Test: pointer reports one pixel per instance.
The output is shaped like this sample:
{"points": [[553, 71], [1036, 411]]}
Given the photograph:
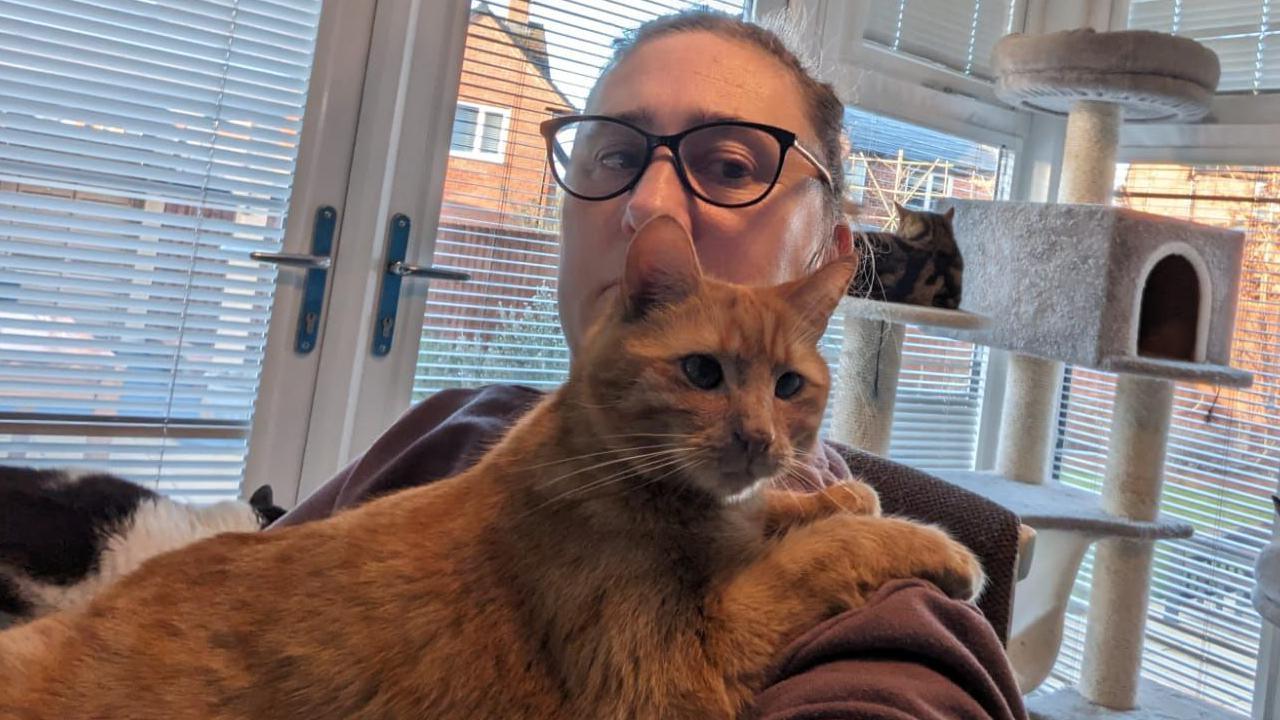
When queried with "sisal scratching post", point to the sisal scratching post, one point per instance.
{"points": [[1026, 424], [867, 388], [866, 384], [1089, 153], [1118, 602]]}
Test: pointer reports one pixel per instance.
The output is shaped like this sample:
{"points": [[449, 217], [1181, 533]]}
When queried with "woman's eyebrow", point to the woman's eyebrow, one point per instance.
{"points": [[710, 116], [645, 118]]}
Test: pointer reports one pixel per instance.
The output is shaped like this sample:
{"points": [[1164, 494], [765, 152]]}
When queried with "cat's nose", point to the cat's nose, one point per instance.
{"points": [[753, 443]]}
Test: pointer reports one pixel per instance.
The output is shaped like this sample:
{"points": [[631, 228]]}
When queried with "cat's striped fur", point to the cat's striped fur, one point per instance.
{"points": [[919, 264]]}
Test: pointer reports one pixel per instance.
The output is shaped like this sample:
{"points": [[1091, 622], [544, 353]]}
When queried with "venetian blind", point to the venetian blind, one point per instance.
{"points": [[941, 383], [953, 33], [145, 149], [1224, 450], [500, 215], [1244, 33]]}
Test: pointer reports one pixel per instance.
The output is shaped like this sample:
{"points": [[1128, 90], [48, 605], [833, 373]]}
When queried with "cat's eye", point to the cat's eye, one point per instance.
{"points": [[789, 383], [703, 371]]}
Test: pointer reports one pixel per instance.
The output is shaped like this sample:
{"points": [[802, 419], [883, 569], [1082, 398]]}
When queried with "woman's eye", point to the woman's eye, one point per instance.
{"points": [[703, 371], [731, 170], [789, 383], [725, 165]]}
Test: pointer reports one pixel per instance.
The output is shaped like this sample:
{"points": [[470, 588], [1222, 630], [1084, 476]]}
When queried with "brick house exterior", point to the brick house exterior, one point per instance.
{"points": [[506, 73]]}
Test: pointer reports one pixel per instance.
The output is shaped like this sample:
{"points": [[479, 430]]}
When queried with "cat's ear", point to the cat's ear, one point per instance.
{"points": [[815, 297], [662, 267], [949, 214], [1275, 499], [262, 497], [900, 209]]}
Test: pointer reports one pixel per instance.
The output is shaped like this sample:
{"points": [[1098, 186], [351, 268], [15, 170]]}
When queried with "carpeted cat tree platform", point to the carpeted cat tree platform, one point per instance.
{"points": [[1149, 298]]}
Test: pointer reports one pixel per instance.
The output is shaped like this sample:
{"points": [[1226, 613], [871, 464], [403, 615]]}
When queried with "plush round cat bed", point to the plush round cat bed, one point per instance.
{"points": [[1152, 76]]}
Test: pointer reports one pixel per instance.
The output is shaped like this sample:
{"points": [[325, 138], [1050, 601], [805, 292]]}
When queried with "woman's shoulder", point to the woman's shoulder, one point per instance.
{"points": [[440, 436]]}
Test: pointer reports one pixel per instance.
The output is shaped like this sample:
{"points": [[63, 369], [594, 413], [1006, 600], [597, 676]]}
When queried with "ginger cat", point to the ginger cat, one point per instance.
{"points": [[615, 556]]}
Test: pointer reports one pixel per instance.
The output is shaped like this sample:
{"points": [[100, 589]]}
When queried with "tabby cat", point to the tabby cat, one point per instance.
{"points": [[615, 556], [64, 536], [919, 264]]}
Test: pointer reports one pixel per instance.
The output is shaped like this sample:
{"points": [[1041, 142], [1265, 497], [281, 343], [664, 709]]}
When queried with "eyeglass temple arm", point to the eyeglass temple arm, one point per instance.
{"points": [[826, 174], [560, 153]]}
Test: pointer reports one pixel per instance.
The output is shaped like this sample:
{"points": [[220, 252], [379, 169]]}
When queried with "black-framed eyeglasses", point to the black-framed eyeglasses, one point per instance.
{"points": [[727, 163]]}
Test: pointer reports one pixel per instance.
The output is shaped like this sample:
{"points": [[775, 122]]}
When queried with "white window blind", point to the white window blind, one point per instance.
{"points": [[500, 221], [145, 149], [957, 34], [941, 383], [1244, 33], [1224, 452]]}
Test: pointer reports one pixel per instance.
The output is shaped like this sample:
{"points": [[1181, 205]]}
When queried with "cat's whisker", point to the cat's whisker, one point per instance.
{"points": [[683, 468], [611, 451], [593, 406], [650, 466], [615, 461], [684, 436]]}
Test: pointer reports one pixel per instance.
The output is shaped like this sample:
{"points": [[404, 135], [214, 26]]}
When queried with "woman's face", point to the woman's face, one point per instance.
{"points": [[665, 86]]}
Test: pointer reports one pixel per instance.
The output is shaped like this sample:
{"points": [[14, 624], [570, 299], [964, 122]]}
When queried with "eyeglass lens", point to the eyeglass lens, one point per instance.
{"points": [[723, 164]]}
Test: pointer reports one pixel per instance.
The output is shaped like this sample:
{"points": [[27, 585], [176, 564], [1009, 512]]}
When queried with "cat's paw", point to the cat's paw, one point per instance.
{"points": [[785, 510], [854, 496], [949, 565]]}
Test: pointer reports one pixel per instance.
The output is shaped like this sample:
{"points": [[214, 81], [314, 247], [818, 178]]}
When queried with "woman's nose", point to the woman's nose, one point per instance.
{"points": [[659, 192]]}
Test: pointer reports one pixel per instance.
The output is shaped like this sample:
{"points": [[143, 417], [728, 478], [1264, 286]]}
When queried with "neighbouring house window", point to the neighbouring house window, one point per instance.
{"points": [[479, 132]]}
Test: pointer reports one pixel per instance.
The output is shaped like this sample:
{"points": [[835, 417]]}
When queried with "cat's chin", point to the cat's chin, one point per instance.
{"points": [[733, 487]]}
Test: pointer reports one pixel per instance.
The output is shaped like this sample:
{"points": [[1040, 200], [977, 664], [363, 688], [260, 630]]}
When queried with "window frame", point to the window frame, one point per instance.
{"points": [[483, 112]]}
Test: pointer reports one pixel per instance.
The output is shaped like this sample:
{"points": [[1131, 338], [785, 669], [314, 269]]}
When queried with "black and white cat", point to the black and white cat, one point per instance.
{"points": [[64, 537], [920, 264]]}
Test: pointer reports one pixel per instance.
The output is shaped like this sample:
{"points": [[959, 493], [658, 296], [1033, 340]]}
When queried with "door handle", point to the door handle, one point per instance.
{"points": [[404, 269], [298, 260], [384, 322], [317, 265]]}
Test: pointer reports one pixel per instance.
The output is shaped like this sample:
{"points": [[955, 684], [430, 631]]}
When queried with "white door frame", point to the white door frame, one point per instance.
{"points": [[398, 166], [278, 436]]}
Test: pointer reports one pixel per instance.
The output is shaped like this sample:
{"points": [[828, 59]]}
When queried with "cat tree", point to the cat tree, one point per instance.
{"points": [[1149, 298]]}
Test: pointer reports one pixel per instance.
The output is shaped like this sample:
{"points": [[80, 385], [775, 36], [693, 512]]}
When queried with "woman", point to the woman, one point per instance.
{"points": [[713, 122]]}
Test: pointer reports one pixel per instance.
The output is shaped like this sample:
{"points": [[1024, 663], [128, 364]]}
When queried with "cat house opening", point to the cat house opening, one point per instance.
{"points": [[1170, 315]]}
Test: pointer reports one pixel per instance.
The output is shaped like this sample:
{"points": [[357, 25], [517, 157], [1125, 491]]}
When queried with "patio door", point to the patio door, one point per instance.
{"points": [[171, 177]]}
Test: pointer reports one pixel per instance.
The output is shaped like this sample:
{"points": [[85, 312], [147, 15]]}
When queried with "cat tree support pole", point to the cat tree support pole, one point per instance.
{"points": [[1135, 459], [1122, 568], [867, 384]]}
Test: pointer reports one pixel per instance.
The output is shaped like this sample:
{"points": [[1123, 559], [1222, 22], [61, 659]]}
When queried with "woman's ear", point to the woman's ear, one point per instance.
{"points": [[842, 240]]}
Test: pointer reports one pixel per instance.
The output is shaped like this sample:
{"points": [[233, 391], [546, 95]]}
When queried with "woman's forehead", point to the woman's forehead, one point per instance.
{"points": [[676, 81]]}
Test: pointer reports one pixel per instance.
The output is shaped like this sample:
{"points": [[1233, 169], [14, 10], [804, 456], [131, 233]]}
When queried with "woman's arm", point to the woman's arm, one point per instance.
{"points": [[439, 437]]}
